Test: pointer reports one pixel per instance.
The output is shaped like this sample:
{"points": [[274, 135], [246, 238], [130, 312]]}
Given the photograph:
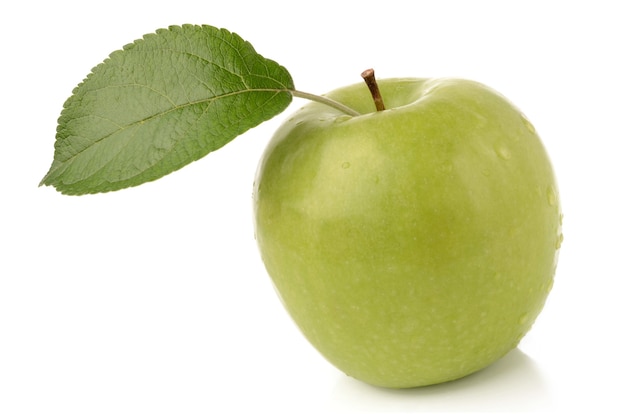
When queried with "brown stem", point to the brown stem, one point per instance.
{"points": [[370, 80]]}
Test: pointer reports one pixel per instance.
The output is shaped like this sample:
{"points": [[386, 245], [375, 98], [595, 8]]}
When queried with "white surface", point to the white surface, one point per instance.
{"points": [[154, 300]]}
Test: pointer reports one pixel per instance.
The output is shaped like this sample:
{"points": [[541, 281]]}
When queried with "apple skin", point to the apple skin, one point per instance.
{"points": [[414, 245]]}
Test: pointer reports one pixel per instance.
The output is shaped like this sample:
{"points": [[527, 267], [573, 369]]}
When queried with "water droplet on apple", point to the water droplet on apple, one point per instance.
{"points": [[342, 118], [503, 152], [559, 241], [345, 165], [528, 124], [446, 167], [486, 172], [523, 319], [551, 193]]}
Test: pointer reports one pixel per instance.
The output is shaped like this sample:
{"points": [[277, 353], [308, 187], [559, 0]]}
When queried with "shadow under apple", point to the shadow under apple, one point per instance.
{"points": [[512, 384]]}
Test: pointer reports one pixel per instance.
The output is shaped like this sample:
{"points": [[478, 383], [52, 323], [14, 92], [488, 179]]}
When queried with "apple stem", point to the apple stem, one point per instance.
{"points": [[326, 101], [370, 81]]}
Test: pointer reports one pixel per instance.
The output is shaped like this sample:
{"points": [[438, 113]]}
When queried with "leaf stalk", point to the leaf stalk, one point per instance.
{"points": [[326, 101]]}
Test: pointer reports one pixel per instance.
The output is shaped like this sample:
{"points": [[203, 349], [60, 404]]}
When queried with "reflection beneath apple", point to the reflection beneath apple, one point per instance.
{"points": [[512, 384]]}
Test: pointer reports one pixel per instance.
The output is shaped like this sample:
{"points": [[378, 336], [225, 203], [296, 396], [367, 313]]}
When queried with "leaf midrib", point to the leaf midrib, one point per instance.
{"points": [[156, 116]]}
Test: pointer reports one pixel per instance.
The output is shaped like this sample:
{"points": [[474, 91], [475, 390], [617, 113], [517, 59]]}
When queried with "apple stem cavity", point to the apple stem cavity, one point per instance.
{"points": [[326, 101], [370, 81]]}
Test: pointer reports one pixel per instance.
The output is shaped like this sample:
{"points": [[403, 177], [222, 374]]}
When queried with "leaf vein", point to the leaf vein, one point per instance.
{"points": [[175, 108]]}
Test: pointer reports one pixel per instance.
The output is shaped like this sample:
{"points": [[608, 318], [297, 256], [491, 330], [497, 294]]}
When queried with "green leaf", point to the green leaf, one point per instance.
{"points": [[160, 103]]}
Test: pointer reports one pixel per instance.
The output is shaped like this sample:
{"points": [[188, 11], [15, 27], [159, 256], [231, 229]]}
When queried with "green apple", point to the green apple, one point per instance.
{"points": [[411, 245]]}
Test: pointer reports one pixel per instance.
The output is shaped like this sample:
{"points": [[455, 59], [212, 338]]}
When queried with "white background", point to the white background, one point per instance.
{"points": [[154, 300]]}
